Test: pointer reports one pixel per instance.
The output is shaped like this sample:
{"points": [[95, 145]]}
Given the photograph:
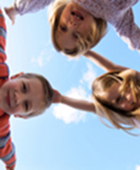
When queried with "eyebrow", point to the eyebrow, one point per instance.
{"points": [[60, 31], [29, 105], [28, 86], [29, 102]]}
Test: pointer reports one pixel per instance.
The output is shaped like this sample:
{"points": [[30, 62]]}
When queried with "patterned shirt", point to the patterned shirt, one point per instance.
{"points": [[116, 12], [25, 6], [7, 149]]}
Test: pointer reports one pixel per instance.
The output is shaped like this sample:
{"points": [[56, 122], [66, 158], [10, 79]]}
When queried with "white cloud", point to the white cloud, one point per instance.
{"points": [[38, 60], [89, 76], [78, 93], [44, 57], [137, 167], [68, 114]]}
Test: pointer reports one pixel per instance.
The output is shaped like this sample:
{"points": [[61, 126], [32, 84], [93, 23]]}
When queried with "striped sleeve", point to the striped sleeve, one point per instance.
{"points": [[2, 37], [7, 149], [7, 154]]}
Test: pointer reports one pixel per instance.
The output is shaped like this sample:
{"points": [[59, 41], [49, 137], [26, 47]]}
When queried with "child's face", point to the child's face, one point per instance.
{"points": [[73, 21], [21, 96], [124, 102]]}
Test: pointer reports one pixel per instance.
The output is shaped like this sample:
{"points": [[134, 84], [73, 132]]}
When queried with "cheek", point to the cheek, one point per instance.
{"points": [[126, 106], [123, 106], [15, 110], [86, 27], [10, 85]]}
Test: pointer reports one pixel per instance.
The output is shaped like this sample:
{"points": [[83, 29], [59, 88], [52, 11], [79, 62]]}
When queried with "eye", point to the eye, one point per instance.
{"points": [[24, 88], [75, 36], [26, 106], [118, 99], [63, 28]]}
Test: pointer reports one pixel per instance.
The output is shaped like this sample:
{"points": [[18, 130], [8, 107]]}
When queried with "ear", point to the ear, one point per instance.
{"points": [[20, 116], [16, 75]]}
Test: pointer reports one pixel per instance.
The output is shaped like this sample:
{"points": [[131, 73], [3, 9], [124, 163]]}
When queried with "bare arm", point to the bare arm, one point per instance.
{"points": [[103, 62], [75, 103], [10, 168]]}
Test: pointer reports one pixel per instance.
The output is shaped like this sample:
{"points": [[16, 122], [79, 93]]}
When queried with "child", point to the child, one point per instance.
{"points": [[24, 95], [116, 95], [83, 22]]}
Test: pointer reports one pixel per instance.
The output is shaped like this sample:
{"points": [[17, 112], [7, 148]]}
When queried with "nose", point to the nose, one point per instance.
{"points": [[129, 98], [18, 97], [73, 23]]}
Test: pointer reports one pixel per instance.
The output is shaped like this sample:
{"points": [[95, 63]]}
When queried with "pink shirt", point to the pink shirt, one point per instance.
{"points": [[25, 6], [116, 12]]}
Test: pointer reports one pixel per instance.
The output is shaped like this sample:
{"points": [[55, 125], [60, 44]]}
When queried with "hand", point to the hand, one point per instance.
{"points": [[57, 96], [10, 168], [138, 51]]}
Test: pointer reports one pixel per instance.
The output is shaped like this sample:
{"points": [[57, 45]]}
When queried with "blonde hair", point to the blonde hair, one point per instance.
{"points": [[47, 89], [120, 119], [98, 30]]}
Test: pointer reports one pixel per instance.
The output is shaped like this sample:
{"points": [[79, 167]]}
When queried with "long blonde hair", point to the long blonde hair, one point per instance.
{"points": [[98, 30], [120, 119]]}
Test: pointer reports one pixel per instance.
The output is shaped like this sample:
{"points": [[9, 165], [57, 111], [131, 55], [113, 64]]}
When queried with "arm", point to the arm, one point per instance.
{"points": [[10, 168], [102, 62], [7, 149], [29, 6], [75, 103], [2, 38], [22, 7], [128, 30]]}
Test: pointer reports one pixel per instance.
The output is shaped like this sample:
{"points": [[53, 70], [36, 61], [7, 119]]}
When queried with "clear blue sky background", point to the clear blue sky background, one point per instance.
{"points": [[63, 138]]}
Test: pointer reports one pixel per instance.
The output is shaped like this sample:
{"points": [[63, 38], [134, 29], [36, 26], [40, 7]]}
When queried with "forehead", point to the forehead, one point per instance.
{"points": [[112, 93], [35, 86]]}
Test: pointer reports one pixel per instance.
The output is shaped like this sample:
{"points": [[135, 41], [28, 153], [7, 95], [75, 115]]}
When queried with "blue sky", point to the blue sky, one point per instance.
{"points": [[63, 138]]}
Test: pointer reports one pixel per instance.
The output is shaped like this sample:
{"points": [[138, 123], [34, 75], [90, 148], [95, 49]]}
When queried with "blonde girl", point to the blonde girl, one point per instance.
{"points": [[78, 25], [116, 95]]}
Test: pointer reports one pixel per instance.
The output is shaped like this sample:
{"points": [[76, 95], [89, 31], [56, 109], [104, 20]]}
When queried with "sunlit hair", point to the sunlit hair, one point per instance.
{"points": [[120, 119], [98, 30], [47, 91]]}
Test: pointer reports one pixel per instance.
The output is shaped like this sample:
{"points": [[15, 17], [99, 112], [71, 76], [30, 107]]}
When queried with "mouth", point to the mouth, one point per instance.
{"points": [[77, 15], [8, 99]]}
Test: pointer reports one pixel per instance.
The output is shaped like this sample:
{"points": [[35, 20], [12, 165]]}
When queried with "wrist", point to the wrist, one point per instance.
{"points": [[62, 99]]}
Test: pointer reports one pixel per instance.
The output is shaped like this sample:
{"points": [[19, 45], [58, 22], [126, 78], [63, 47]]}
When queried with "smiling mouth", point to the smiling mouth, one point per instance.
{"points": [[8, 98], [77, 15]]}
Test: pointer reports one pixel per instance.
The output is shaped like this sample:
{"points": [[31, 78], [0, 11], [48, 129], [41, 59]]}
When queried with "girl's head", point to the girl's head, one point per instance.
{"points": [[116, 96], [73, 29]]}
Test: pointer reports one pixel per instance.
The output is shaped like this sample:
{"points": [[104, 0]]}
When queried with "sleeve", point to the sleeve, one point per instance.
{"points": [[29, 6], [7, 149], [2, 38], [128, 30]]}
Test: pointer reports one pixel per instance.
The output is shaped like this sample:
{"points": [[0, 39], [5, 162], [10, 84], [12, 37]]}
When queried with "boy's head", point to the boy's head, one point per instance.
{"points": [[26, 96], [73, 29]]}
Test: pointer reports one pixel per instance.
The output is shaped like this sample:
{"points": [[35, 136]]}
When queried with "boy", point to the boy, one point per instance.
{"points": [[24, 95]]}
